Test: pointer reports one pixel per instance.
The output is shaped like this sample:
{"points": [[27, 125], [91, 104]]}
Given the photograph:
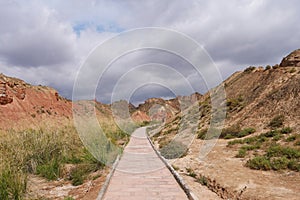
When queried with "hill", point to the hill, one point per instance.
{"points": [[250, 160]]}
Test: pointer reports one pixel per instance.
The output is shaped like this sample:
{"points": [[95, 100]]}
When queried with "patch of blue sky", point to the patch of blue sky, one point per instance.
{"points": [[110, 27]]}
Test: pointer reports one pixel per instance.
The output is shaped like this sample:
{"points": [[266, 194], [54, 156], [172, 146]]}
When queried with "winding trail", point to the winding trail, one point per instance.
{"points": [[141, 174]]}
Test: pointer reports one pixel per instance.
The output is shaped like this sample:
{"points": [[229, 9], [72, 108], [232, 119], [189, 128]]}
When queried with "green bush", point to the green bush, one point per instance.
{"points": [[286, 130], [268, 67], [271, 133], [242, 153], [232, 130], [251, 147], [259, 162], [279, 151], [294, 165], [174, 150], [277, 121], [279, 163], [245, 132], [291, 138], [277, 137]]}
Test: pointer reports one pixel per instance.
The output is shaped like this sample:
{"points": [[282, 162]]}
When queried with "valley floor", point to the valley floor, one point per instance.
{"points": [[227, 176]]}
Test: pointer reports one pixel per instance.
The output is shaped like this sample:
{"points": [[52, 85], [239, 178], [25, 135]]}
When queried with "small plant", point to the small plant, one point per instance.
{"points": [[245, 132], [277, 121], [259, 162], [271, 133], [268, 67], [202, 180], [249, 69], [242, 153], [291, 138], [49, 170], [69, 198], [286, 130], [191, 173], [279, 163]]}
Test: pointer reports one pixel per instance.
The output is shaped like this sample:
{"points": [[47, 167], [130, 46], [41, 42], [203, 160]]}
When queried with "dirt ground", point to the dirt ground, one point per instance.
{"points": [[228, 178], [39, 188]]}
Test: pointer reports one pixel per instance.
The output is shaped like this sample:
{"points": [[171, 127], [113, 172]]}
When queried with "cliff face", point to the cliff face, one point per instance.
{"points": [[292, 60], [23, 105]]}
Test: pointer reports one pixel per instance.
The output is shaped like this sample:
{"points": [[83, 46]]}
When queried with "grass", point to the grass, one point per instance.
{"points": [[45, 152], [191, 173], [276, 122], [275, 151]]}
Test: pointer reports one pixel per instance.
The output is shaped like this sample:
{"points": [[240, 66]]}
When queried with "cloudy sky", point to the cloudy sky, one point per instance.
{"points": [[47, 42]]}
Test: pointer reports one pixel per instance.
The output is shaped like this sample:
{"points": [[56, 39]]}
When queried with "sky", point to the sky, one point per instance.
{"points": [[47, 42]]}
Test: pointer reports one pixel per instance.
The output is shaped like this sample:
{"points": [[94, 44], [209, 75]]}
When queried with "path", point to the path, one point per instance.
{"points": [[141, 174]]}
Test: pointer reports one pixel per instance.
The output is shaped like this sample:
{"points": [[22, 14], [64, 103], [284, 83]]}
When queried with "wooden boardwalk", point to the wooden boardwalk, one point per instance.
{"points": [[141, 174]]}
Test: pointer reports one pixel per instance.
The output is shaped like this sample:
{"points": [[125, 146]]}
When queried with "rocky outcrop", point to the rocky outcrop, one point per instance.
{"points": [[10, 87], [292, 60]]}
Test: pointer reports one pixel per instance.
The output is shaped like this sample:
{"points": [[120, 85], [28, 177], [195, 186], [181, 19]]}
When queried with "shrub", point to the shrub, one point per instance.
{"points": [[268, 67], [291, 138], [233, 142], [259, 162], [294, 165], [271, 133], [202, 180], [191, 173], [277, 137], [249, 69], [277, 121], [279, 151], [173, 150], [286, 130], [297, 143], [245, 132], [251, 147], [279, 163], [232, 130], [242, 153]]}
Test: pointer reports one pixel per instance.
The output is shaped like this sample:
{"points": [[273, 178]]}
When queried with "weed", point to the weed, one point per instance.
{"points": [[191, 173], [291, 138], [202, 180], [286, 130], [242, 153], [277, 121]]}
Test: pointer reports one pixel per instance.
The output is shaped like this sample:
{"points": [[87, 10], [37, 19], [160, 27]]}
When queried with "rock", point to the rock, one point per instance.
{"points": [[292, 60]]}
